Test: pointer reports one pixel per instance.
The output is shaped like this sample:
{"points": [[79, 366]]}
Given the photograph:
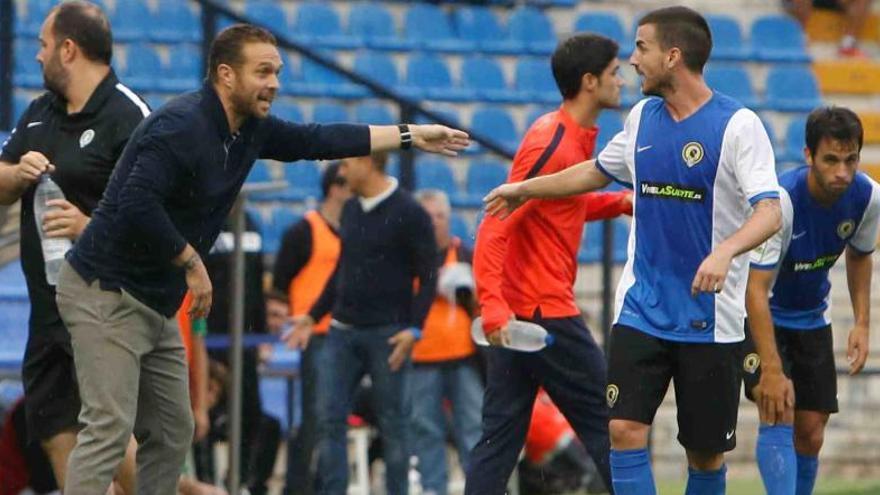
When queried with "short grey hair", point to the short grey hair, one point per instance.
{"points": [[437, 195]]}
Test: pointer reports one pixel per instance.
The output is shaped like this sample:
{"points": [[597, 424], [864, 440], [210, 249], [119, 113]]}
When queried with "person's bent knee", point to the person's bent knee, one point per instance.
{"points": [[627, 434], [809, 441], [705, 461]]}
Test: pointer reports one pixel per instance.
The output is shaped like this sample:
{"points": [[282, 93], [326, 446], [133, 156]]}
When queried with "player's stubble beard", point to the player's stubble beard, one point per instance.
{"points": [[659, 86], [55, 77]]}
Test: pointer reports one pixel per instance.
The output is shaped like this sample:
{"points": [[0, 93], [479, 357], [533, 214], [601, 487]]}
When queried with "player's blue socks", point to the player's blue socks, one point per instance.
{"points": [[631, 472], [807, 466], [707, 482], [776, 459]]}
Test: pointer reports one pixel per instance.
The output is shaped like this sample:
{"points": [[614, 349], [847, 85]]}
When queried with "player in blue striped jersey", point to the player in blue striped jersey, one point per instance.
{"points": [[828, 208], [706, 193]]}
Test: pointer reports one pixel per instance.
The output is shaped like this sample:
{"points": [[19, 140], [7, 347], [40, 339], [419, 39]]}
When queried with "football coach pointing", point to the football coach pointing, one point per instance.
{"points": [[163, 208]]}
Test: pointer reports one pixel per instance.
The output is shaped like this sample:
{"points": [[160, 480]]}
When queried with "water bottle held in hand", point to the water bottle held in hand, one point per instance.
{"points": [[53, 248], [524, 336]]}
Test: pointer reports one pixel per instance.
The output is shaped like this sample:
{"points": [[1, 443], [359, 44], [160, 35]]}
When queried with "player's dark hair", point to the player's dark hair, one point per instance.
{"points": [[581, 54], [685, 29], [838, 123], [85, 24], [331, 177], [227, 46]]}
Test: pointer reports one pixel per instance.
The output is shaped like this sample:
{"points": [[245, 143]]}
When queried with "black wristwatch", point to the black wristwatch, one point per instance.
{"points": [[405, 136]]}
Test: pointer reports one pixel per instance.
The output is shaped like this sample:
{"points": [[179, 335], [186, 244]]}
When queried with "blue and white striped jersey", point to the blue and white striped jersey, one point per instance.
{"points": [[810, 241], [695, 181]]}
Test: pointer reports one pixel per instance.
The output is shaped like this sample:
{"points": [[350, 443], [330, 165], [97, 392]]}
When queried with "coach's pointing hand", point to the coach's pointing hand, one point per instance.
{"points": [[439, 139]]}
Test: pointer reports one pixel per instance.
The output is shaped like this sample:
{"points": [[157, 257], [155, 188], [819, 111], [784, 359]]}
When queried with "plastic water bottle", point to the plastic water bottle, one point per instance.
{"points": [[524, 336], [55, 248]]}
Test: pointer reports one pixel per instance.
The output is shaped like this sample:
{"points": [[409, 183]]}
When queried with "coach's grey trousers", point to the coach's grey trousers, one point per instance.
{"points": [[132, 374]]}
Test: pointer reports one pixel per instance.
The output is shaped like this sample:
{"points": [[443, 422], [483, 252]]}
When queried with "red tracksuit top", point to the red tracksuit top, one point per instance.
{"points": [[528, 262]]}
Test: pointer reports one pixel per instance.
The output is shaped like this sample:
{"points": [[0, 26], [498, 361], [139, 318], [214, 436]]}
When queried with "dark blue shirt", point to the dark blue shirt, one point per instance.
{"points": [[175, 183], [383, 251]]}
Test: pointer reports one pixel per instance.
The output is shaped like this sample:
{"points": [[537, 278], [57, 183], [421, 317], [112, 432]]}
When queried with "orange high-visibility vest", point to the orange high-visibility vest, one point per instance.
{"points": [[308, 284], [447, 332]]}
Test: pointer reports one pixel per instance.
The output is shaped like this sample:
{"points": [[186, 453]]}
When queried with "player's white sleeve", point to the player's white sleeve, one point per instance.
{"points": [[754, 161], [865, 237], [615, 160], [769, 254]]}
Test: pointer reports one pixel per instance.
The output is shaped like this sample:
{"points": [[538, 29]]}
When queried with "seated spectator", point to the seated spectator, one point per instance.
{"points": [[855, 12]]}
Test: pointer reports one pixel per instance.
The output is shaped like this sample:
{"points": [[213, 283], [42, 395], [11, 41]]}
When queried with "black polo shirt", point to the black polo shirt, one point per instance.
{"points": [[84, 148], [175, 184]]}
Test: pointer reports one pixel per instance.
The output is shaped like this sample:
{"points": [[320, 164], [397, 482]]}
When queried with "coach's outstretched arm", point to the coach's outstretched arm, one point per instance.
{"points": [[580, 178]]}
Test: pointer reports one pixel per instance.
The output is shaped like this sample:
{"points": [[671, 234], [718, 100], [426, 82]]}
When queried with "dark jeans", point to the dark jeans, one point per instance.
{"points": [[348, 355], [573, 372], [301, 444]]}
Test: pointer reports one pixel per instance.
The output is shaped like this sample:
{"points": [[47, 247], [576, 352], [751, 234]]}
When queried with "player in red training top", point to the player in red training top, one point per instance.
{"points": [[526, 265]]}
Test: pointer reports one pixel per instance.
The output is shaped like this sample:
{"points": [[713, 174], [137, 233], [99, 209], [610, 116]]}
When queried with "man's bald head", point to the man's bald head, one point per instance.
{"points": [[85, 24]]}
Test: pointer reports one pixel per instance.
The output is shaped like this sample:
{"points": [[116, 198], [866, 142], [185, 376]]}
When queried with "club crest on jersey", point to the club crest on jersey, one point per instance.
{"points": [[845, 229], [87, 136], [692, 153], [751, 363], [611, 394]]}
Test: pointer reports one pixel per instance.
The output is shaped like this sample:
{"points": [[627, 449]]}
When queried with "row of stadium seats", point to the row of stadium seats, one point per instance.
{"points": [[428, 76], [429, 27]]}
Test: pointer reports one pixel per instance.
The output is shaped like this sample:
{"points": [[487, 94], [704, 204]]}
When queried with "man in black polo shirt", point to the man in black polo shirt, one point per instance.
{"points": [[76, 131], [164, 206], [387, 243]]}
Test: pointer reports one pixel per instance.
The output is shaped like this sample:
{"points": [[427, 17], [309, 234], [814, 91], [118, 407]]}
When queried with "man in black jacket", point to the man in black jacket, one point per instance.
{"points": [[387, 243], [165, 204]]}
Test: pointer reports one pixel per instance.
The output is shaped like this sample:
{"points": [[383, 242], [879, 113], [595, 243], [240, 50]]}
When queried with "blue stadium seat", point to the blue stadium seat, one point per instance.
{"points": [[795, 140], [496, 124], [427, 76], [607, 24], [778, 38], [143, 69], [15, 308], [174, 21], [303, 181], [530, 26], [553, 3], [27, 72], [459, 227], [484, 76], [771, 135], [374, 25], [28, 24], [288, 111], [318, 24], [376, 66], [259, 173], [535, 82], [479, 25], [273, 396], [591, 244], [727, 38], [732, 80], [130, 21], [428, 27], [432, 173], [482, 177], [792, 89], [610, 123], [320, 81], [375, 113], [327, 112], [183, 70], [448, 112], [282, 218], [268, 14], [20, 102]]}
